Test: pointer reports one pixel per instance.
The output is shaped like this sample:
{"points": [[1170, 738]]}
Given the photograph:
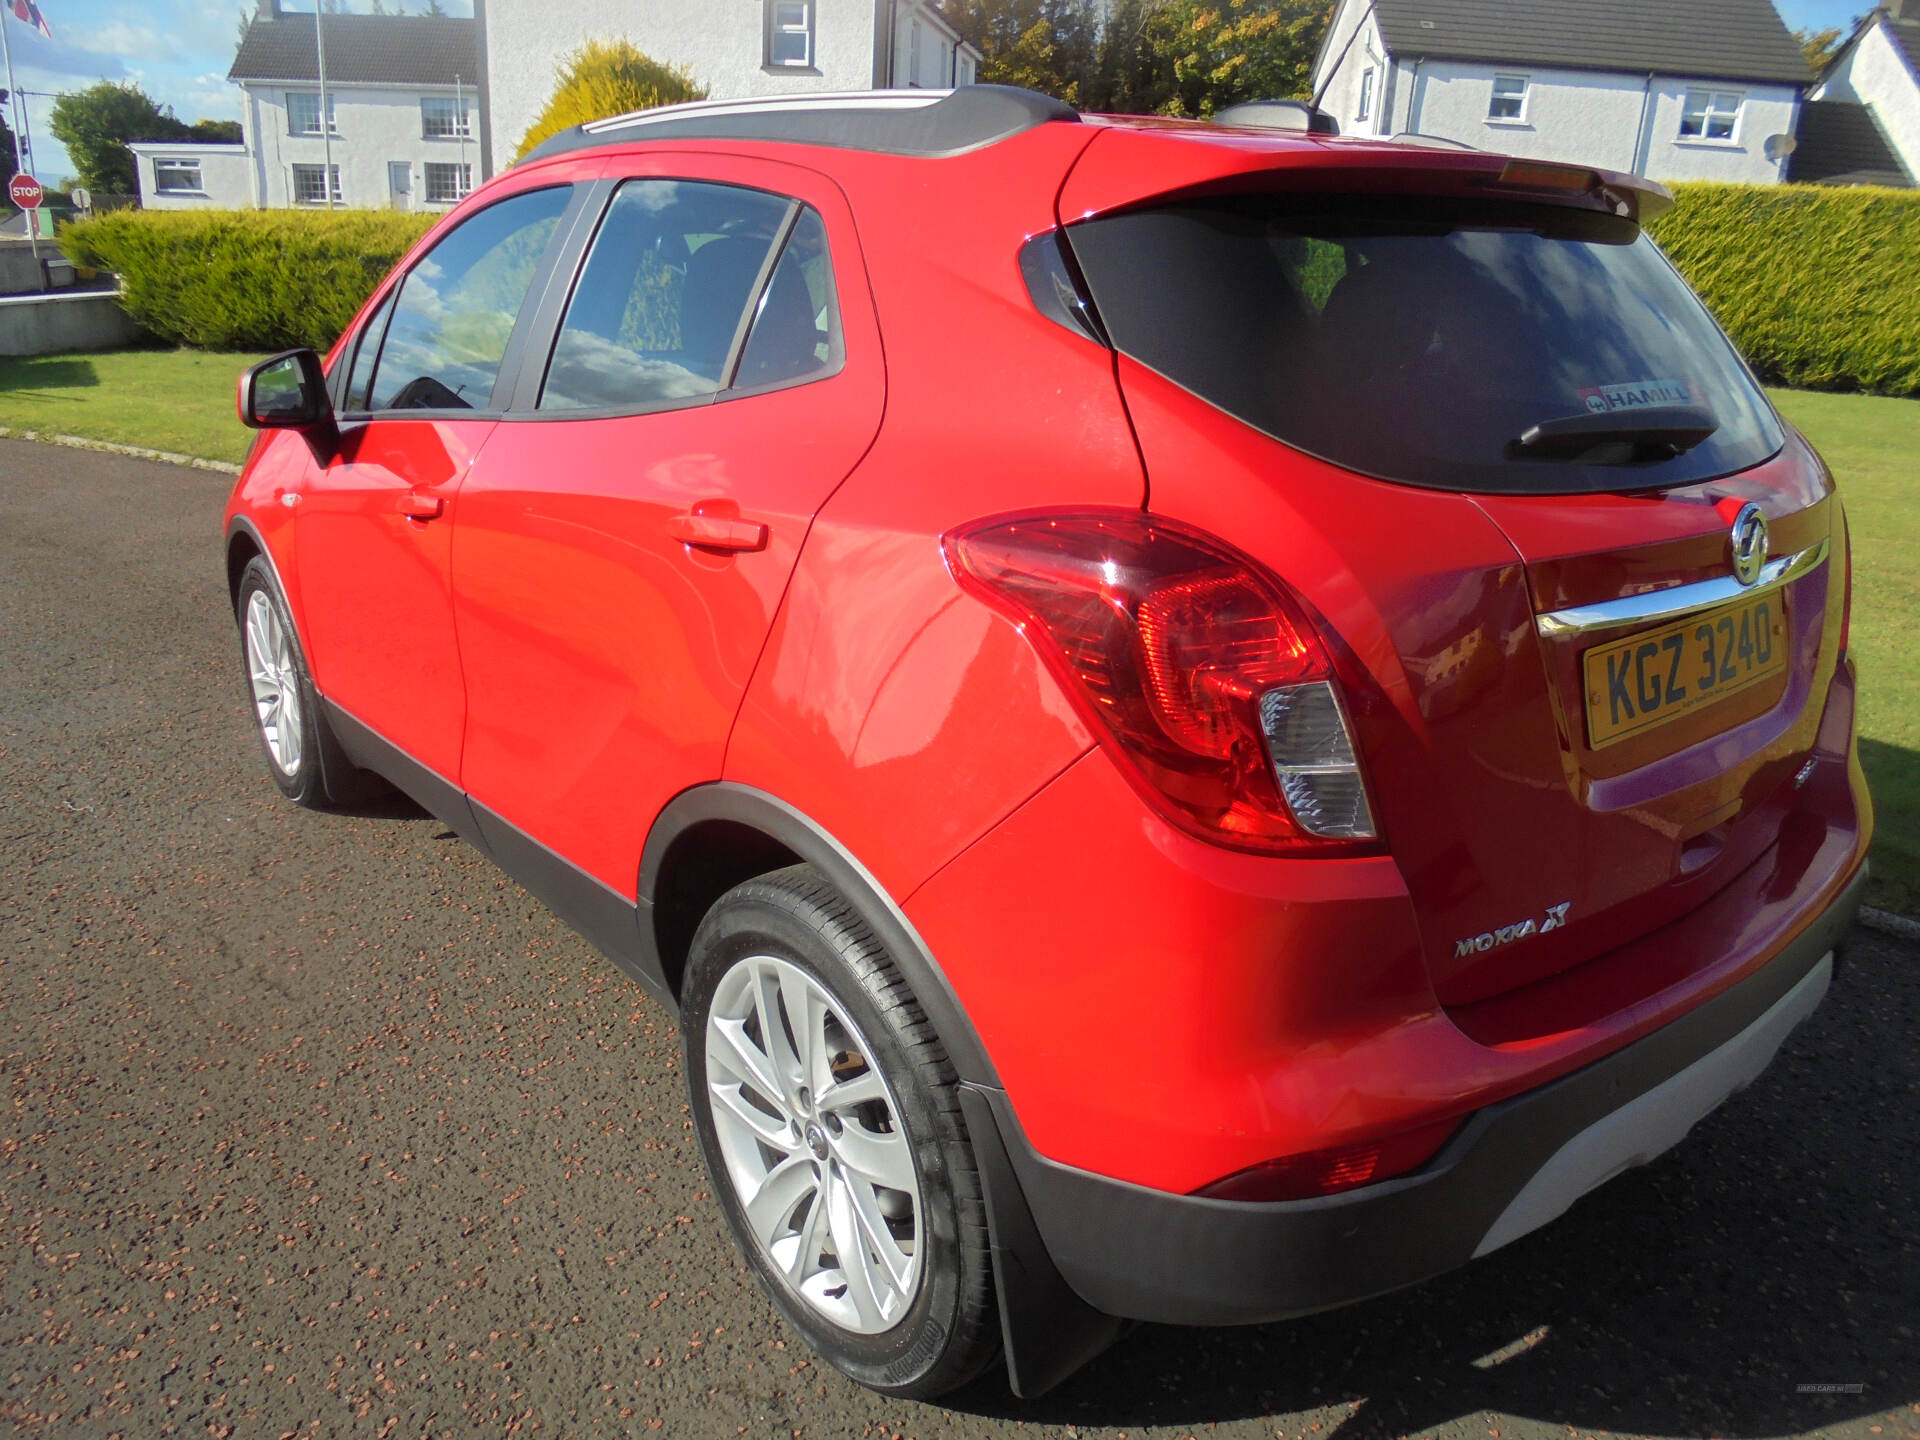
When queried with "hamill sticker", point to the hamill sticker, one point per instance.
{"points": [[1556, 917], [1635, 395]]}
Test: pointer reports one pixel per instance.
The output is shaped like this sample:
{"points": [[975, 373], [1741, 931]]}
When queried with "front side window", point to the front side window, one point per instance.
{"points": [[1365, 108], [448, 184], [1418, 339], [653, 321], [457, 307], [303, 113], [444, 117], [1509, 98], [176, 177], [310, 184], [790, 33], [1710, 115]]}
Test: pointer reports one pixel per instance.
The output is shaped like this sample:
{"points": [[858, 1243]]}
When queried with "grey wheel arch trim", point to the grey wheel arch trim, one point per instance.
{"points": [[727, 802]]}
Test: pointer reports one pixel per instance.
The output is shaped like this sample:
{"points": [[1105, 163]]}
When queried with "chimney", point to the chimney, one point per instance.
{"points": [[1903, 9], [267, 10]]}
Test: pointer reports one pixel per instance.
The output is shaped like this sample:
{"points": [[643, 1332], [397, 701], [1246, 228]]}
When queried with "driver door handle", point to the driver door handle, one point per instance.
{"points": [[418, 505]]}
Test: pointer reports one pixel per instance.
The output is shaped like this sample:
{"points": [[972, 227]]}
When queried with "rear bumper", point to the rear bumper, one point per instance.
{"points": [[1137, 1253]]}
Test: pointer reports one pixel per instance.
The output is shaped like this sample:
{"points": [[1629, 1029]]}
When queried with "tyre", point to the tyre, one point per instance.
{"points": [[830, 1120], [303, 757]]}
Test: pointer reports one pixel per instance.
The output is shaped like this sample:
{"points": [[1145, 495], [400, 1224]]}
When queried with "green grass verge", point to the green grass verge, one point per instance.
{"points": [[182, 400], [178, 400], [1873, 445]]}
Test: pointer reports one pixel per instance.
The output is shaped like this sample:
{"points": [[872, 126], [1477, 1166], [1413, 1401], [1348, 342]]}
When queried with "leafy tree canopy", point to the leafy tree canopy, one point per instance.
{"points": [[96, 123], [605, 78], [1820, 46], [1159, 57], [9, 152]]}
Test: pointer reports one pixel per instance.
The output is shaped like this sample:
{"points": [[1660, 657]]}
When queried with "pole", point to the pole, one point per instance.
{"points": [[19, 103], [326, 119], [460, 119]]}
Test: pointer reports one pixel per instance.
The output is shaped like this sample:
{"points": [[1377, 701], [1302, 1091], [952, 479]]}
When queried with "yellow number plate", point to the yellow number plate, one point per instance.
{"points": [[1633, 685]]}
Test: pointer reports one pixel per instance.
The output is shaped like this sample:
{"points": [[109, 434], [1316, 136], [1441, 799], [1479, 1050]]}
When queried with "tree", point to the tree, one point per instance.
{"points": [[1819, 46], [96, 123], [605, 78], [9, 152], [1166, 57], [216, 132]]}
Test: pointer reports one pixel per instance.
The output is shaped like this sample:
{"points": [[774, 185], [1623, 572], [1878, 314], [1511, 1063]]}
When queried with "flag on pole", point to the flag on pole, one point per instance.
{"points": [[29, 14]]}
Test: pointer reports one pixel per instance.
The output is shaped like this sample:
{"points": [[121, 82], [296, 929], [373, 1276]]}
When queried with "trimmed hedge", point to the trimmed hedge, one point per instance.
{"points": [[245, 279], [1818, 285]]}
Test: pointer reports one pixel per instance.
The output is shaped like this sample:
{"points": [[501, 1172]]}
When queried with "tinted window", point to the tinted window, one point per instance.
{"points": [[1417, 340], [796, 330], [458, 305], [662, 294], [367, 351]]}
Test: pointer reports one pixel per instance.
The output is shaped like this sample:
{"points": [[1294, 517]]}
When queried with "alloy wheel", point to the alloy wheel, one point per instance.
{"points": [[813, 1144], [276, 683]]}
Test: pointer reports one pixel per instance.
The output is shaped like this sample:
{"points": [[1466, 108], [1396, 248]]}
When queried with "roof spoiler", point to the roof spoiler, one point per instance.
{"points": [[930, 124], [1295, 115]]}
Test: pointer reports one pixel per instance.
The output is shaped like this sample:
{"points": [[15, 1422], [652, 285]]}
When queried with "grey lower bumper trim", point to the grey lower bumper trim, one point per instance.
{"points": [[1659, 1119]]}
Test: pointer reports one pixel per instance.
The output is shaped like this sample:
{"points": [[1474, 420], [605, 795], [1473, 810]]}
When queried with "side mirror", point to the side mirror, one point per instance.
{"points": [[288, 392]]}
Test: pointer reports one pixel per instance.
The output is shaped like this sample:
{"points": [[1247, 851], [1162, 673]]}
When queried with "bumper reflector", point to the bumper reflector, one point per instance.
{"points": [[1327, 1172]]}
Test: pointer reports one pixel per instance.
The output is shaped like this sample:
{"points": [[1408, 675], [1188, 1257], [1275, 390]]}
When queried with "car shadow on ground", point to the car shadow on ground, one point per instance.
{"points": [[1759, 1279]]}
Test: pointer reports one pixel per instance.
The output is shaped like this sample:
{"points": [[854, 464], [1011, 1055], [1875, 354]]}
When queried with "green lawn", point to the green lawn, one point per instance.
{"points": [[178, 400], [1873, 445], [182, 400]]}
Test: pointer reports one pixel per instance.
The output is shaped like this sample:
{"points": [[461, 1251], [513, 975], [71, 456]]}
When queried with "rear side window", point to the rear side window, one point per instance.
{"points": [[1417, 340], [672, 273], [457, 307]]}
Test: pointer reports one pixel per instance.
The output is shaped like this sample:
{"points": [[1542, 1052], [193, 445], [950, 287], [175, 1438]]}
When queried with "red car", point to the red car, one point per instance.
{"points": [[1200, 721]]}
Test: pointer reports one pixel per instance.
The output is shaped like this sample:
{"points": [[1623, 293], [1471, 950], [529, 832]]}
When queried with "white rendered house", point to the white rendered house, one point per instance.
{"points": [[735, 48], [1877, 70], [1671, 89], [402, 99]]}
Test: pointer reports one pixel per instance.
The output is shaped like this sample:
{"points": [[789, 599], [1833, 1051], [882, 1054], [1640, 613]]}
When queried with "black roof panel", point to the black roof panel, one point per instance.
{"points": [[890, 122], [361, 49]]}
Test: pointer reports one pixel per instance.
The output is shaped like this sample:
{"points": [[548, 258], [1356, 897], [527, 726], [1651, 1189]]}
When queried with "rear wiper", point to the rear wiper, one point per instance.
{"points": [[1652, 432]]}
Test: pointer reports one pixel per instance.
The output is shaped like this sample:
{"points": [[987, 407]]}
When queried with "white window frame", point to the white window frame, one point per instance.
{"points": [[1509, 78], [1364, 111], [782, 22], [462, 176], [1706, 111], [457, 115], [333, 119], [328, 173], [177, 163]]}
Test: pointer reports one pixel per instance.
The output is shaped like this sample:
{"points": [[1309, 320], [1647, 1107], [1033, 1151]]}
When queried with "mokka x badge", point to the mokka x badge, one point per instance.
{"points": [[1749, 543], [1507, 934]]}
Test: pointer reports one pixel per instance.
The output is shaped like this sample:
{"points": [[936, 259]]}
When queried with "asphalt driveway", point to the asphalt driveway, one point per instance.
{"points": [[319, 1125]]}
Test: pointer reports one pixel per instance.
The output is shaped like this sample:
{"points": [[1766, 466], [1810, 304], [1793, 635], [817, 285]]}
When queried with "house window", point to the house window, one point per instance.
{"points": [[790, 33], [303, 113], [1366, 94], [442, 117], [310, 184], [176, 177], [448, 184], [1710, 115], [1509, 98]]}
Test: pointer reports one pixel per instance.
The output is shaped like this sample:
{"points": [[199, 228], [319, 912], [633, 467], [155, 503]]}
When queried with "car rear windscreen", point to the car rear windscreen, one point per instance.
{"points": [[1420, 339]]}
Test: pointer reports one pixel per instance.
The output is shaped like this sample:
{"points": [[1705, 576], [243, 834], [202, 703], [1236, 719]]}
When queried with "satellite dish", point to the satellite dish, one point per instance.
{"points": [[1778, 147]]}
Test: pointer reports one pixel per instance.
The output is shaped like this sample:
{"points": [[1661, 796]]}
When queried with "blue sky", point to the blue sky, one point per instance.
{"points": [[179, 50]]}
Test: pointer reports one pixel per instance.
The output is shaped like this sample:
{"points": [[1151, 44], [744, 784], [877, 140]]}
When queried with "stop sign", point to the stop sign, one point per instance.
{"points": [[25, 191]]}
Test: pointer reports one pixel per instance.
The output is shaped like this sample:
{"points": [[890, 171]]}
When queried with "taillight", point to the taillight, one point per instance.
{"points": [[1198, 670], [1846, 601], [1328, 1172]]}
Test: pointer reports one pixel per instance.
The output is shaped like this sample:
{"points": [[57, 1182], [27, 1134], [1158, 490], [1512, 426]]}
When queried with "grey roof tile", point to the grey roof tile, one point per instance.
{"points": [[1721, 39], [1841, 143], [361, 49]]}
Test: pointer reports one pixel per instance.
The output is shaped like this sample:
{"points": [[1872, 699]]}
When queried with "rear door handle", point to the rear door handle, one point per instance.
{"points": [[717, 532], [418, 505]]}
